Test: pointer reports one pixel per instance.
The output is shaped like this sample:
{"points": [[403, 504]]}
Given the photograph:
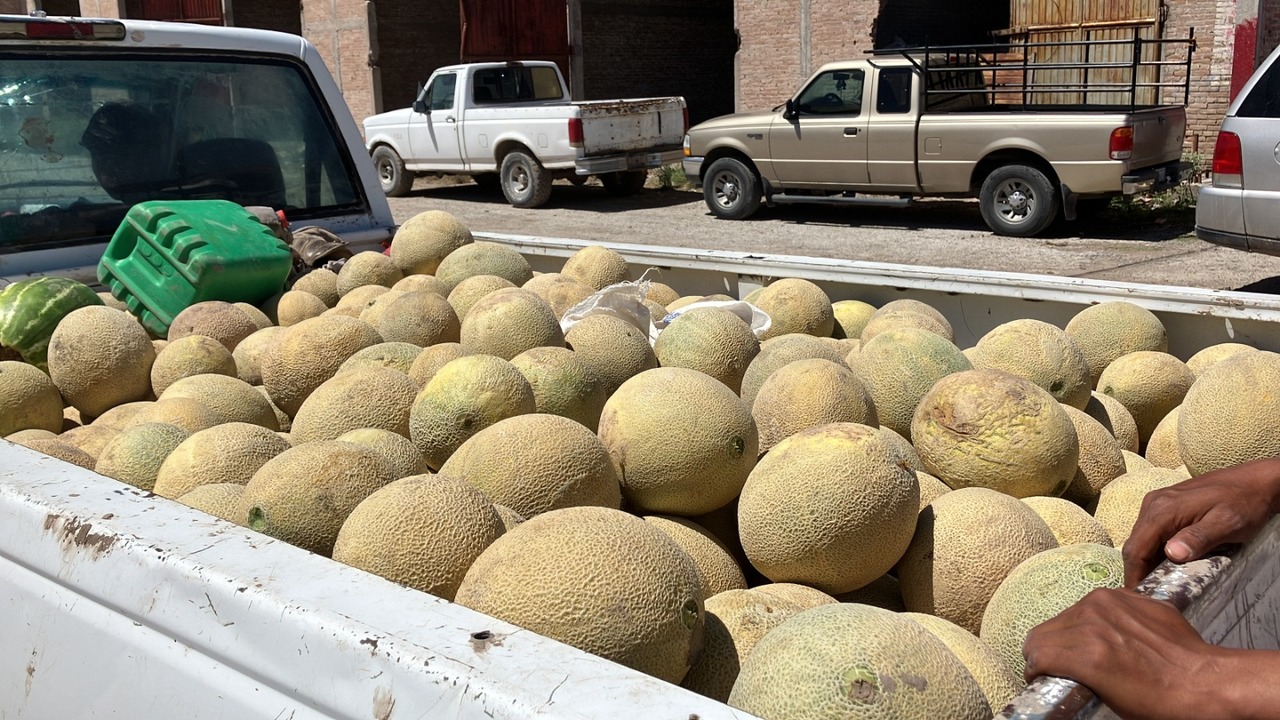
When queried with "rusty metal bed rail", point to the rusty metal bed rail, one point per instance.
{"points": [[1122, 72]]}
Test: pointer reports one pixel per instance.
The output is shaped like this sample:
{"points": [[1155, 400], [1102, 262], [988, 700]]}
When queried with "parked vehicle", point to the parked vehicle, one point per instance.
{"points": [[1240, 207], [513, 125], [136, 602], [1021, 127], [96, 115]]}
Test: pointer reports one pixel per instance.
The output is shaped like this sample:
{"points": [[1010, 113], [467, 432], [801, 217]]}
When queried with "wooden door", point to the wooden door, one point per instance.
{"points": [[498, 30], [204, 12]]}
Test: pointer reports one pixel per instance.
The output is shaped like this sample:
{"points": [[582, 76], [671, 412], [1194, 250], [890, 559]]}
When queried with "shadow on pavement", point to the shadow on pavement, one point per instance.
{"points": [[566, 196], [1143, 226], [1269, 286]]}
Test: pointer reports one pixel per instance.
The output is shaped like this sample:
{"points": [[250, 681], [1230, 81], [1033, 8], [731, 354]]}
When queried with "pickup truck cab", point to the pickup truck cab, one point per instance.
{"points": [[913, 125], [96, 115], [513, 124]]}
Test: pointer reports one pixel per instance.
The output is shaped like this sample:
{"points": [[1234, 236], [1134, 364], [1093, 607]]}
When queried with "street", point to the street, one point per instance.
{"points": [[1132, 245]]}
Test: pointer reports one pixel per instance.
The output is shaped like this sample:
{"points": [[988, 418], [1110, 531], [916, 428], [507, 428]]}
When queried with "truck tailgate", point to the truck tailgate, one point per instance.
{"points": [[616, 126], [1157, 136]]}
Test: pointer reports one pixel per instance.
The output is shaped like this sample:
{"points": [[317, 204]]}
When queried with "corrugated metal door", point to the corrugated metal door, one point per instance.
{"points": [[516, 30], [1088, 25], [204, 12]]}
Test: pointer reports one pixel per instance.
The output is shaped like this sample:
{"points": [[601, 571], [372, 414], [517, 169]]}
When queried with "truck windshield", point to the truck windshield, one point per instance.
{"points": [[83, 138]]}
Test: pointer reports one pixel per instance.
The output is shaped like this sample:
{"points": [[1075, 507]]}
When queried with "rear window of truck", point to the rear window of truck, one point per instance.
{"points": [[84, 136], [515, 83]]}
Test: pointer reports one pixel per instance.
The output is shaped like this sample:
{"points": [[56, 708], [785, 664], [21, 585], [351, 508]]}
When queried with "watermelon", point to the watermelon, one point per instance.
{"points": [[31, 309]]}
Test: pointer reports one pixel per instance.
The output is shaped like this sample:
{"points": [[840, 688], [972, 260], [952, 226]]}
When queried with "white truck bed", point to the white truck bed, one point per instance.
{"points": [[118, 603]]}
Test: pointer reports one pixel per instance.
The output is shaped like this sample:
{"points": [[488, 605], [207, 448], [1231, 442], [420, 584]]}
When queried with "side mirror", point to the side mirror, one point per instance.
{"points": [[790, 112], [420, 106]]}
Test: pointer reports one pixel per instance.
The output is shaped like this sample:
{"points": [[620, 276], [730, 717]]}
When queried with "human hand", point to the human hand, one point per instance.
{"points": [[1184, 521], [1134, 653]]}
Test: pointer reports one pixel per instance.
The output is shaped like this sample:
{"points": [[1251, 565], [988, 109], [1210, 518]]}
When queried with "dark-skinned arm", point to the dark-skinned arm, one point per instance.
{"points": [[1183, 522], [1142, 658]]}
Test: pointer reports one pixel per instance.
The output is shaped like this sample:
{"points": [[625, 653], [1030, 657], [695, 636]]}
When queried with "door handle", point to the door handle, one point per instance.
{"points": [[851, 132], [449, 119]]}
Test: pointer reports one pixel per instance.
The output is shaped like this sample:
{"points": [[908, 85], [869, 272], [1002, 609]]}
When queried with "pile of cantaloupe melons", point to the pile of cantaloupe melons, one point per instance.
{"points": [[843, 516]]}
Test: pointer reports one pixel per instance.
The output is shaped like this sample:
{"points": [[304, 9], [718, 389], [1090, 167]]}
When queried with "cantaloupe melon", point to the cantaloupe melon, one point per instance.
{"points": [[427, 238], [432, 358], [422, 283], [508, 322], [1042, 587], [367, 268], [1039, 352], [303, 495], [1101, 459], [295, 306], [796, 306], [1214, 354], [560, 291], [398, 356], [187, 413], [63, 451], [399, 452], [597, 267], [987, 428], [134, 456], [855, 661], [683, 442], [378, 308], [233, 399], [1229, 415], [900, 365], [370, 397], [965, 543], [884, 592], [422, 531], [599, 564], [717, 569], [1149, 384], [736, 620], [930, 487], [322, 283], [219, 500], [465, 396], [1116, 418], [998, 682], [779, 351], [851, 317], [227, 453], [310, 353], [254, 314], [828, 507], [613, 349], [1105, 331], [219, 320], [808, 393], [802, 595], [187, 356], [1134, 461], [100, 357], [1069, 522], [484, 258], [883, 320], [535, 463], [28, 399], [710, 340], [248, 354], [562, 384], [471, 290], [1120, 501], [1162, 446]]}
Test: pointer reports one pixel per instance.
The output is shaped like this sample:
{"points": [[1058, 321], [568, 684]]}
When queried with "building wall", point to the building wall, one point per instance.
{"points": [[413, 37], [341, 33], [279, 15], [645, 48]]}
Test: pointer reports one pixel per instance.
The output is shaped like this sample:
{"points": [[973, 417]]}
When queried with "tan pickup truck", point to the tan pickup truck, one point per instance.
{"points": [[1029, 140]]}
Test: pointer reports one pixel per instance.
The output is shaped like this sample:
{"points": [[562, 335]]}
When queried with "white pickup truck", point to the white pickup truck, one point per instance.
{"points": [[513, 124], [96, 115]]}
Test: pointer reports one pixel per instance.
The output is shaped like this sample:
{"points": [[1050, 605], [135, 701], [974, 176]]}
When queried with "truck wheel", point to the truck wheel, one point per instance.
{"points": [[731, 189], [524, 181], [627, 182], [1018, 200], [393, 177]]}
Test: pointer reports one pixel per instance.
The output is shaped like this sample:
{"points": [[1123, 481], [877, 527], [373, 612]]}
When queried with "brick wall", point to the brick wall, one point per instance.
{"points": [[1210, 92], [645, 48], [279, 15], [340, 32], [414, 37]]}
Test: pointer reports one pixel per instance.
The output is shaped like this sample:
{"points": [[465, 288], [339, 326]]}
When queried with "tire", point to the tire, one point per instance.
{"points": [[525, 182], [1018, 200], [393, 177], [731, 189], [627, 182]]}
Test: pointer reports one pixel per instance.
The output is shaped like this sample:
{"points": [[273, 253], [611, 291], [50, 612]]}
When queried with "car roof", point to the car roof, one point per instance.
{"points": [[156, 34]]}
